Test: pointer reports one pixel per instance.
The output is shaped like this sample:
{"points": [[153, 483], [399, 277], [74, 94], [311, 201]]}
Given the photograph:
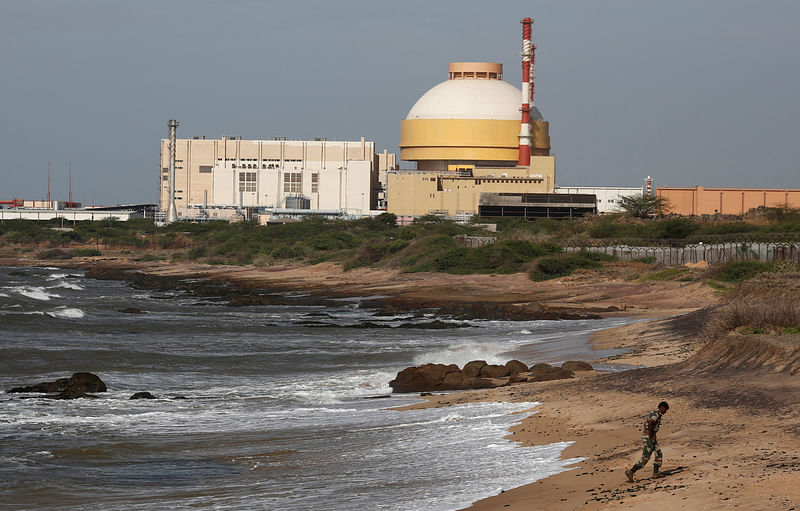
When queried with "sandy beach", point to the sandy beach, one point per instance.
{"points": [[730, 435]]}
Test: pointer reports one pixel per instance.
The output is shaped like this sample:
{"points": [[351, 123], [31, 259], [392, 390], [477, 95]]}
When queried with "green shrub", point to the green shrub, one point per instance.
{"points": [[738, 271], [793, 330], [198, 252], [668, 274], [673, 228], [396, 246], [596, 256], [287, 252], [86, 252], [554, 267], [752, 331], [645, 260]]}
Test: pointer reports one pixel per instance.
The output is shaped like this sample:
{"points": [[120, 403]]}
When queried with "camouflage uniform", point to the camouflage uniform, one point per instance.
{"points": [[650, 445]]}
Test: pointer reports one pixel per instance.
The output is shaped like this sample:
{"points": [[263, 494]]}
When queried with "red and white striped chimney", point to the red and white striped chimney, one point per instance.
{"points": [[527, 94]]}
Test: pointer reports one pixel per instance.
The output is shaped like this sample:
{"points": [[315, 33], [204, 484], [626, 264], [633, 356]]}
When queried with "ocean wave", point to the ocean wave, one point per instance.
{"points": [[67, 285], [463, 353], [66, 313], [34, 292]]}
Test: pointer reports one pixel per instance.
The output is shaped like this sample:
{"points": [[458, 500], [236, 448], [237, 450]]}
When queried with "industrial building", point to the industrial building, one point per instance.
{"points": [[229, 177], [470, 135], [608, 198], [726, 201]]}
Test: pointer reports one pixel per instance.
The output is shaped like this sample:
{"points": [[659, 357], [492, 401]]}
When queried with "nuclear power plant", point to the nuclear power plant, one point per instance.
{"points": [[478, 145]]}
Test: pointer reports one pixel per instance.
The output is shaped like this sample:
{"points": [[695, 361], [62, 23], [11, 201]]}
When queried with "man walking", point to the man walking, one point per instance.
{"points": [[650, 442]]}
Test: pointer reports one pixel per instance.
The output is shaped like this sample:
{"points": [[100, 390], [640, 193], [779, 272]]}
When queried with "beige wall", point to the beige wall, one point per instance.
{"points": [[420, 193], [207, 171], [726, 201]]}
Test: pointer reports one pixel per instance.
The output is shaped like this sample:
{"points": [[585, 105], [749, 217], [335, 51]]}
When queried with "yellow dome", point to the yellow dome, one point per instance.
{"points": [[472, 117]]}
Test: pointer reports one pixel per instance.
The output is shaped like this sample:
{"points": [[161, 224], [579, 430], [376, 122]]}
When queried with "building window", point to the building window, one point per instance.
{"points": [[315, 182], [206, 169], [247, 181], [293, 182]]}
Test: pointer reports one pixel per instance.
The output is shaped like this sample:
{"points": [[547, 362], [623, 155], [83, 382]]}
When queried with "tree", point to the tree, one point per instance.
{"points": [[643, 206]]}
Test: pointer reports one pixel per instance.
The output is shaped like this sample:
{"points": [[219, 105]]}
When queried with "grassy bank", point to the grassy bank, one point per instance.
{"points": [[431, 244]]}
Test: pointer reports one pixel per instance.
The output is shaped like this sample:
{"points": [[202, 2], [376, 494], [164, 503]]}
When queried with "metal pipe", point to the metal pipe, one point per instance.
{"points": [[172, 212], [525, 125]]}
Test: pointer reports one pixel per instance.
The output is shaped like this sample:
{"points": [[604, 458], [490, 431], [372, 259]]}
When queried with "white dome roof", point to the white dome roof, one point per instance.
{"points": [[471, 99]]}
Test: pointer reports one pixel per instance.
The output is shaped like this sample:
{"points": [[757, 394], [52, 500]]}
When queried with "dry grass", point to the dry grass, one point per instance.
{"points": [[770, 303]]}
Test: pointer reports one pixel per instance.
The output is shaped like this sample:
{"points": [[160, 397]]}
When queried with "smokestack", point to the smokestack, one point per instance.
{"points": [[172, 212], [527, 94], [48, 183]]}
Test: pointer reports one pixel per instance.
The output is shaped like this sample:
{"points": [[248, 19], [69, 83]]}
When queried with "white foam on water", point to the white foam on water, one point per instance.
{"points": [[66, 313], [34, 292], [66, 285], [463, 353]]}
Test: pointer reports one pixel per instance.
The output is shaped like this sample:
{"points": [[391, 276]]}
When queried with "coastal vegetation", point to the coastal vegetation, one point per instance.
{"points": [[544, 248]]}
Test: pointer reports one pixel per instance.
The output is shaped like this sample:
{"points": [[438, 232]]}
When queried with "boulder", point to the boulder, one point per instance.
{"points": [[494, 371], [539, 367], [473, 369], [142, 395], [576, 365], [540, 373], [460, 381], [516, 367], [424, 378], [516, 378], [77, 385]]}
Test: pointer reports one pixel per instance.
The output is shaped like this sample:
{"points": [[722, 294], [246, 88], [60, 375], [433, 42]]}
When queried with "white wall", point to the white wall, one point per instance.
{"points": [[608, 197]]}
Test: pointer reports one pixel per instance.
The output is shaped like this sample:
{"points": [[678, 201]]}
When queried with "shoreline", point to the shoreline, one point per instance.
{"points": [[730, 429]]}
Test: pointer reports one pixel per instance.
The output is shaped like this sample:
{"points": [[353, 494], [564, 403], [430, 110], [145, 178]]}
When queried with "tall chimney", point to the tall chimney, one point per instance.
{"points": [[172, 212], [525, 127]]}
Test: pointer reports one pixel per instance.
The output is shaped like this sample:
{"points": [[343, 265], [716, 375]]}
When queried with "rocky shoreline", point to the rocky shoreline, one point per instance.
{"points": [[733, 414]]}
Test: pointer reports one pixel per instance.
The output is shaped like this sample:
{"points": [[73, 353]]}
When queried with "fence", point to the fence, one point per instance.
{"points": [[669, 254]]}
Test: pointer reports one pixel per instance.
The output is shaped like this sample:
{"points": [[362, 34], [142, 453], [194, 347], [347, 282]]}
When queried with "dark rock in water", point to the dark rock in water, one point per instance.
{"points": [[431, 377], [77, 385], [142, 395], [516, 367], [494, 371], [131, 310], [576, 365], [377, 397], [473, 368], [545, 372], [423, 378]]}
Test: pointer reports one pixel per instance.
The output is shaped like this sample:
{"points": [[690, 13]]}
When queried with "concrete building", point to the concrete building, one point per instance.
{"points": [[608, 197], [73, 215], [726, 201], [215, 177]]}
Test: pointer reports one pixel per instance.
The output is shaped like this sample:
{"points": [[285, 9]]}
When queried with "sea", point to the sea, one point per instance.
{"points": [[276, 407]]}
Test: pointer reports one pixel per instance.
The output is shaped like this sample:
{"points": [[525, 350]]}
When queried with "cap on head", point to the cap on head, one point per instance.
{"points": [[663, 404]]}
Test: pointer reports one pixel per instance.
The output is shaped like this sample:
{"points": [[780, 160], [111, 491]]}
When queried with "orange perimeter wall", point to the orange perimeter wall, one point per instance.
{"points": [[726, 201]]}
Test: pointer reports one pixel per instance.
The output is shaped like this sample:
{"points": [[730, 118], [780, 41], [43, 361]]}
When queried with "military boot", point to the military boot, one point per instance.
{"points": [[630, 471], [656, 473]]}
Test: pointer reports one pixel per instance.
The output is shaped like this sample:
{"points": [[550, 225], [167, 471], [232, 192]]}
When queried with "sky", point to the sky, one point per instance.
{"points": [[690, 93]]}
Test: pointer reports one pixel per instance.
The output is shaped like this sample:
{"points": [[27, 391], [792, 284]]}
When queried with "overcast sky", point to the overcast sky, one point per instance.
{"points": [[691, 93]]}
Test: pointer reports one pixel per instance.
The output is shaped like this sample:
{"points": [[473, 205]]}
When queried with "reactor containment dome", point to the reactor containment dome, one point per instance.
{"points": [[473, 118]]}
